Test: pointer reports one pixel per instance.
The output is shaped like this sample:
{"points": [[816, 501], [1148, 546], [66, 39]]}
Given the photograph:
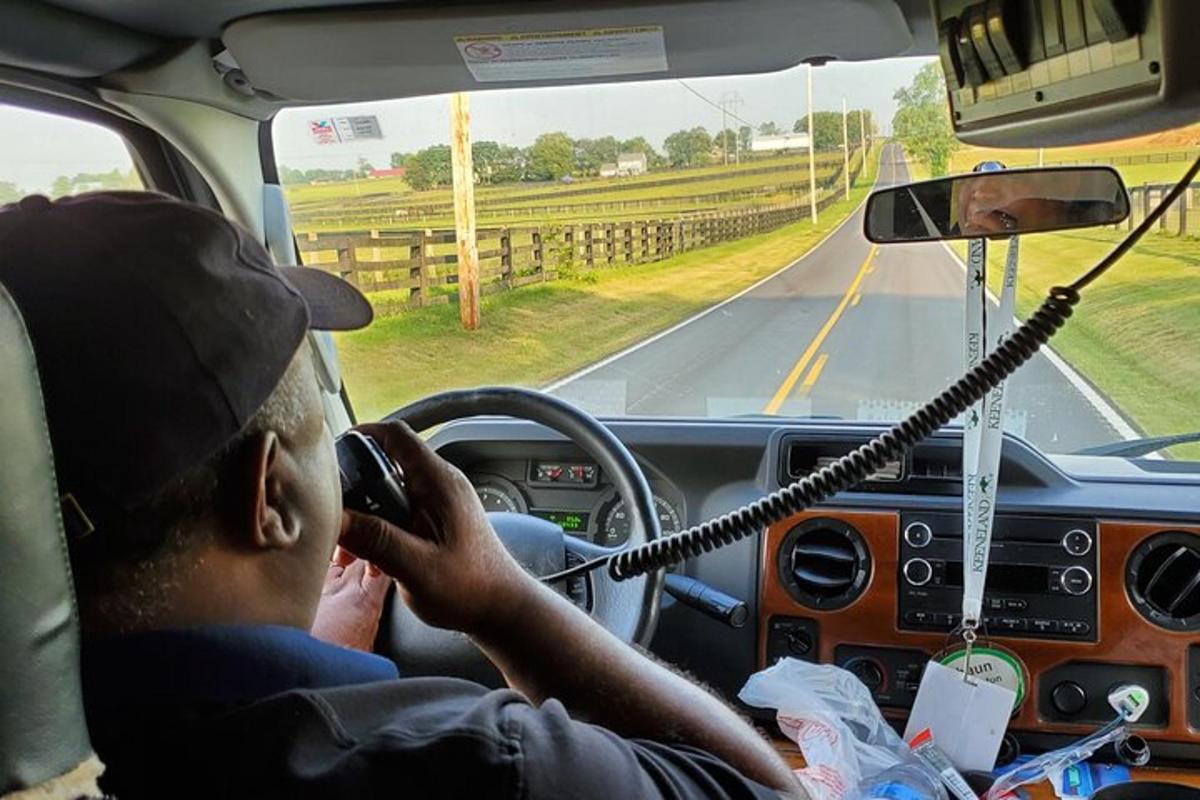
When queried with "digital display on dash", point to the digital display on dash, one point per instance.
{"points": [[569, 521]]}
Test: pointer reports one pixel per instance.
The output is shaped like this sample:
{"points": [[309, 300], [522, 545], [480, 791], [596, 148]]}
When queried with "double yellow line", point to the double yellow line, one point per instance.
{"points": [[801, 365]]}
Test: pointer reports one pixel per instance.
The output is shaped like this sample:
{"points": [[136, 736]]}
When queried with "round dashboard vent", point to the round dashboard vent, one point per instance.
{"points": [[1163, 580], [824, 564]]}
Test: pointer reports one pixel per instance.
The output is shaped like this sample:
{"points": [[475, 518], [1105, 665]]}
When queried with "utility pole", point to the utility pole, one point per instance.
{"points": [[845, 150], [463, 173], [862, 133], [812, 157], [730, 100]]}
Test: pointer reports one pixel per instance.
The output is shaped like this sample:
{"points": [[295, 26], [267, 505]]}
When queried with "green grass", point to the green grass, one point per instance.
{"points": [[533, 335], [1136, 333]]}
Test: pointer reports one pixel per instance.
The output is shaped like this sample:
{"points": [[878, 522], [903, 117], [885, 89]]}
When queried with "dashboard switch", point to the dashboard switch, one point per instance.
{"points": [[868, 671], [1069, 698], [917, 571], [1076, 581]]}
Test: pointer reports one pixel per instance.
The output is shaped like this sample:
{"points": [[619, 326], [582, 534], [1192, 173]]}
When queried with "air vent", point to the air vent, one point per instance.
{"points": [[824, 564], [805, 457], [1163, 580]]}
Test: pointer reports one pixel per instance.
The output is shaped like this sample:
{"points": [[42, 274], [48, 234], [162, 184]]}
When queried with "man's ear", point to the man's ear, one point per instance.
{"points": [[274, 524]]}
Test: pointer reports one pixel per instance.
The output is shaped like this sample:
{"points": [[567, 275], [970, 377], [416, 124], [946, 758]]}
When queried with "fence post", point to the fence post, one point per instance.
{"points": [[375, 256], [416, 269], [1182, 205], [347, 264], [588, 255], [610, 243], [506, 265], [536, 253], [1133, 200], [627, 242], [1162, 221], [569, 243], [645, 236]]}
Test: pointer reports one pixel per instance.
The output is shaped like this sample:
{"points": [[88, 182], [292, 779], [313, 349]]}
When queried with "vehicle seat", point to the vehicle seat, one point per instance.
{"points": [[44, 748]]}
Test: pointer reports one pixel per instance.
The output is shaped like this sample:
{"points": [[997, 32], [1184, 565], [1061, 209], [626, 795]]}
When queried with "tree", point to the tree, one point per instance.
{"points": [[428, 168], [689, 148], [638, 144], [399, 159], [551, 157], [829, 129], [856, 128], [364, 167], [10, 192], [745, 135], [727, 140], [591, 153], [769, 129], [61, 186], [922, 121]]}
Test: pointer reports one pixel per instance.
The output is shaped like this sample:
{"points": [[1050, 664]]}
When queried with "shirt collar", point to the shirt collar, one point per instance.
{"points": [[220, 664]]}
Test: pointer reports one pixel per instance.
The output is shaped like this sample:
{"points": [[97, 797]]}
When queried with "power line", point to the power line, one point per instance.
{"points": [[717, 106]]}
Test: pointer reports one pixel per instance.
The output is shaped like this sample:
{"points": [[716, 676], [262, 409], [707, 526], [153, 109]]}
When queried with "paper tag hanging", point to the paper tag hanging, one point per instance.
{"points": [[967, 717], [975, 343]]}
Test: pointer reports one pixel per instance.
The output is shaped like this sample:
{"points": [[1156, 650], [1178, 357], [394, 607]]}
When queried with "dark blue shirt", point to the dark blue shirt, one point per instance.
{"points": [[269, 712]]}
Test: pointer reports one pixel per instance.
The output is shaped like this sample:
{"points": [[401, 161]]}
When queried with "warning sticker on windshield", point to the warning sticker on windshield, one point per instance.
{"points": [[597, 53]]}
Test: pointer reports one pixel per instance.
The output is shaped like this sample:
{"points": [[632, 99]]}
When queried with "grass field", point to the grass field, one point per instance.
{"points": [[536, 334], [388, 202], [1134, 335]]}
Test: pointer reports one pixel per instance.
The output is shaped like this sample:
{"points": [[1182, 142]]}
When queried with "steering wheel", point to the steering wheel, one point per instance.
{"points": [[628, 609]]}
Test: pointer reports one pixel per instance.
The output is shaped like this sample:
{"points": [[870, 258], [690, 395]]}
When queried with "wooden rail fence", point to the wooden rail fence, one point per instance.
{"points": [[1182, 218], [422, 264]]}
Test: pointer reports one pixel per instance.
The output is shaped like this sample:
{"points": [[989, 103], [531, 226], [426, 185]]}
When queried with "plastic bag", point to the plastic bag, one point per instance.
{"points": [[831, 716]]}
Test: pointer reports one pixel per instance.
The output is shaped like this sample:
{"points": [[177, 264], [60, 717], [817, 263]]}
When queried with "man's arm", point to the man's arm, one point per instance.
{"points": [[455, 573]]}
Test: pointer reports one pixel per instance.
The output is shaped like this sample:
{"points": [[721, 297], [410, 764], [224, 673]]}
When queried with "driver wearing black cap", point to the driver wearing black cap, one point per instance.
{"points": [[201, 500]]}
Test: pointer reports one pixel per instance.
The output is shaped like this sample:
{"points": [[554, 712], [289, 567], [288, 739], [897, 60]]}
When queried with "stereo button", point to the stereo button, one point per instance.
{"points": [[1077, 542], [1043, 625], [1074, 627], [1076, 581], [918, 534], [917, 571]]}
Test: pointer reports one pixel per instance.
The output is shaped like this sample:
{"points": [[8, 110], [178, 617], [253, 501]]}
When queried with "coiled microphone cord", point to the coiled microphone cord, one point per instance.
{"points": [[854, 467]]}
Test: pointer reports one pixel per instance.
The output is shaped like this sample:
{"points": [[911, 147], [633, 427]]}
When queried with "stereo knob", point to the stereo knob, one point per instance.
{"points": [[1077, 542], [868, 671], [1068, 698], [1076, 581], [918, 534], [918, 571]]}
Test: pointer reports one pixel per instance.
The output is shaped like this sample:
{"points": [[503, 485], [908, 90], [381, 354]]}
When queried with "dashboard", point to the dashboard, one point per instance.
{"points": [[1095, 576]]}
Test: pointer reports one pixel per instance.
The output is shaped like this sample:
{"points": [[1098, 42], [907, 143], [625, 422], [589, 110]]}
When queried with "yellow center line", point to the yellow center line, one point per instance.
{"points": [[857, 299], [811, 378], [789, 382]]}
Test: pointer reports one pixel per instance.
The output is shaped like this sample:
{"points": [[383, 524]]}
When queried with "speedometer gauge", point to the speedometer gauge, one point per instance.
{"points": [[618, 522], [499, 494]]}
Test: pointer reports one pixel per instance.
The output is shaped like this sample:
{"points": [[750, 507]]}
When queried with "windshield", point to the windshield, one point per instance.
{"points": [[653, 249]]}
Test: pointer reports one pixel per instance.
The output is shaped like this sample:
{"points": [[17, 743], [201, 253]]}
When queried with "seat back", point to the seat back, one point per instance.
{"points": [[44, 747]]}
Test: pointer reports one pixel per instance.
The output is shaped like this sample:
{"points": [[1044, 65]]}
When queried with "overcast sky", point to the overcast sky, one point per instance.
{"points": [[36, 148]]}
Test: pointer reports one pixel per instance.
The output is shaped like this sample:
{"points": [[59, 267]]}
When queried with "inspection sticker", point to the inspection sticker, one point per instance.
{"points": [[595, 53]]}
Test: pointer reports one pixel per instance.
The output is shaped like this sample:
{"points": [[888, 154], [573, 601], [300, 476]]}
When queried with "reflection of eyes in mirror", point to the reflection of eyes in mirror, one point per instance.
{"points": [[997, 204]]}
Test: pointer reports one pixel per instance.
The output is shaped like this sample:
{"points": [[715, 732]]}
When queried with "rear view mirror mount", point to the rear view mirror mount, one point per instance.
{"points": [[1003, 203]]}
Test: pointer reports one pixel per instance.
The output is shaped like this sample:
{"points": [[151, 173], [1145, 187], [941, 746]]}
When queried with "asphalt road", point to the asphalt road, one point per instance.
{"points": [[850, 330]]}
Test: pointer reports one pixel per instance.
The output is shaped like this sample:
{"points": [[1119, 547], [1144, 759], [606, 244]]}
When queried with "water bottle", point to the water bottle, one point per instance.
{"points": [[906, 781]]}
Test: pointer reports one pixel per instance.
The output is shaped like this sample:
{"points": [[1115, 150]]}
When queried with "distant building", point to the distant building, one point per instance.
{"points": [[631, 163], [390, 172], [608, 170], [783, 141]]}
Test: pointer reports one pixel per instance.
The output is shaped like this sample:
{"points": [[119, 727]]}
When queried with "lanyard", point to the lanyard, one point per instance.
{"points": [[983, 428]]}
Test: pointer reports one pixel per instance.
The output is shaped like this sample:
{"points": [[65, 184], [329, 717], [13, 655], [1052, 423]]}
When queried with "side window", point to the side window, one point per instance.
{"points": [[50, 154]]}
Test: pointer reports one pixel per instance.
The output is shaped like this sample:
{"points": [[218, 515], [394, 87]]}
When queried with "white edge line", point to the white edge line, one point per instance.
{"points": [[604, 362], [1105, 409]]}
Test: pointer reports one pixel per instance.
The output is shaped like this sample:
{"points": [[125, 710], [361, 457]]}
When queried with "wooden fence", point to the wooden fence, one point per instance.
{"points": [[1182, 218], [422, 264]]}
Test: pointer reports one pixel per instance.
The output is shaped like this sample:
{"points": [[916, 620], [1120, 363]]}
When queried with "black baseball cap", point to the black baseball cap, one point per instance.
{"points": [[160, 328]]}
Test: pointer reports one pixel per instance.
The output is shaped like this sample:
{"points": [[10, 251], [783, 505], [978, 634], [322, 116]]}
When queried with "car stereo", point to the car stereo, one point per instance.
{"points": [[1041, 579]]}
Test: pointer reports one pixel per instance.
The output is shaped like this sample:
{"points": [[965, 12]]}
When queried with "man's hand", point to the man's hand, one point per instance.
{"points": [[452, 570], [351, 603]]}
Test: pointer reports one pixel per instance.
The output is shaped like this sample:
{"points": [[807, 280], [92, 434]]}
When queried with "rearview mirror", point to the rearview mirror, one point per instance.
{"points": [[1002, 203]]}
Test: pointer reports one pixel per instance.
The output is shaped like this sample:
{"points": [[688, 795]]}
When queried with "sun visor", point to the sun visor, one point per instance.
{"points": [[373, 53], [1039, 73]]}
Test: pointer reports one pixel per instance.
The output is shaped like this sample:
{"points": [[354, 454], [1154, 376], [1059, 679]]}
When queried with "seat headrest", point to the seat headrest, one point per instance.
{"points": [[43, 733]]}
